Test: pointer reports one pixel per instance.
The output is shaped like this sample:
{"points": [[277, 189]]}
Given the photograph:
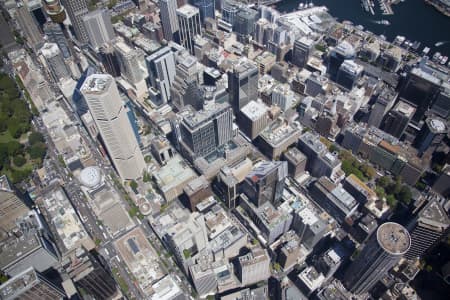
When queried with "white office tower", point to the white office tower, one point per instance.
{"points": [[128, 62], [168, 11], [99, 28], [76, 9], [55, 62], [161, 71], [190, 25], [110, 116]]}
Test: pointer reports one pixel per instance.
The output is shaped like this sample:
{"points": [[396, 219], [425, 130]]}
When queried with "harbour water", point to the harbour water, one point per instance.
{"points": [[413, 19]]}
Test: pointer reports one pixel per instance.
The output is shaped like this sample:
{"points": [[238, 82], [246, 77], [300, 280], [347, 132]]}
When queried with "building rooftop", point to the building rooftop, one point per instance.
{"points": [[311, 278], [19, 284], [434, 215], [96, 83], [405, 109], [255, 256], [226, 239], [313, 142], [174, 173], [361, 186], [254, 110], [4, 184], [165, 289], [393, 238], [196, 118], [436, 125], [278, 132], [187, 11]]}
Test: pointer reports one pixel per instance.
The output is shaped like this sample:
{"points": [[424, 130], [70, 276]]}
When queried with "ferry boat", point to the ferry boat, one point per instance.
{"points": [[383, 22], [444, 60]]}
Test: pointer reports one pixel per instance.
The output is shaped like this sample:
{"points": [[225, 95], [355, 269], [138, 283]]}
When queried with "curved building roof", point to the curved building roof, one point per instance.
{"points": [[393, 238], [90, 177]]}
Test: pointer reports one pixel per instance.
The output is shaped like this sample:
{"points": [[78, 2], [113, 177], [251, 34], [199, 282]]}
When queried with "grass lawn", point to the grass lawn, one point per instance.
{"points": [[5, 137]]}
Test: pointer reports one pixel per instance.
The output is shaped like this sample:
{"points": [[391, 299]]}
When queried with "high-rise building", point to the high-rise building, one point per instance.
{"points": [[55, 61], [76, 9], [431, 134], [421, 89], [283, 96], [398, 119], [98, 27], [30, 284], [206, 8], [79, 103], [244, 22], [229, 10], [161, 70], [265, 183], [343, 51], [55, 10], [380, 254], [29, 28], [128, 62], [254, 118], [382, 105], [88, 272], [254, 267], [427, 229], [12, 205], [55, 34], [110, 116], [168, 11], [301, 51], [190, 25], [109, 59], [203, 131], [348, 74], [242, 85]]}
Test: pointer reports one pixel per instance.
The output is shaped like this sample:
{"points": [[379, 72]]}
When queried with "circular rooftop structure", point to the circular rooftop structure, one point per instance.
{"points": [[393, 238], [90, 177]]}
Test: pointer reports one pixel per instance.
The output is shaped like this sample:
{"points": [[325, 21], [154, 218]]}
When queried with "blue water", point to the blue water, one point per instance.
{"points": [[414, 19]]}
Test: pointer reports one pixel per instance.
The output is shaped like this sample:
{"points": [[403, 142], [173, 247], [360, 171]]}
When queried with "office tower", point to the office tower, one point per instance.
{"points": [[109, 59], [89, 273], [244, 22], [380, 254], [79, 103], [206, 8], [203, 131], [265, 183], [301, 51], [190, 25], [421, 89], [283, 96], [55, 11], [55, 61], [12, 205], [197, 190], [168, 11], [254, 118], [258, 33], [398, 118], [55, 34], [253, 267], [128, 62], [30, 284], [229, 10], [427, 229], [433, 131], [382, 105], [343, 51], [29, 28], [161, 71], [348, 74], [242, 85], [76, 9], [186, 92], [441, 107], [110, 116], [204, 278], [309, 227], [296, 161], [98, 27]]}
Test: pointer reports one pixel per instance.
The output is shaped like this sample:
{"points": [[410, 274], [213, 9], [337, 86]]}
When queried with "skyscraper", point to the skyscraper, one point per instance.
{"points": [[88, 272], [242, 85], [203, 131], [431, 134], [55, 34], [301, 51], [382, 105], [348, 74], [168, 11], [12, 205], [190, 25], [128, 62], [206, 8], [161, 70], [29, 28], [109, 59], [244, 22], [98, 27], [76, 9], [55, 10], [380, 254], [337, 56], [265, 183], [55, 61], [30, 284], [398, 118], [110, 116], [427, 229]]}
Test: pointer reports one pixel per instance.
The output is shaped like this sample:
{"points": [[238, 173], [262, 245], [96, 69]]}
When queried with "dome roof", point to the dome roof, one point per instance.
{"points": [[90, 177]]}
